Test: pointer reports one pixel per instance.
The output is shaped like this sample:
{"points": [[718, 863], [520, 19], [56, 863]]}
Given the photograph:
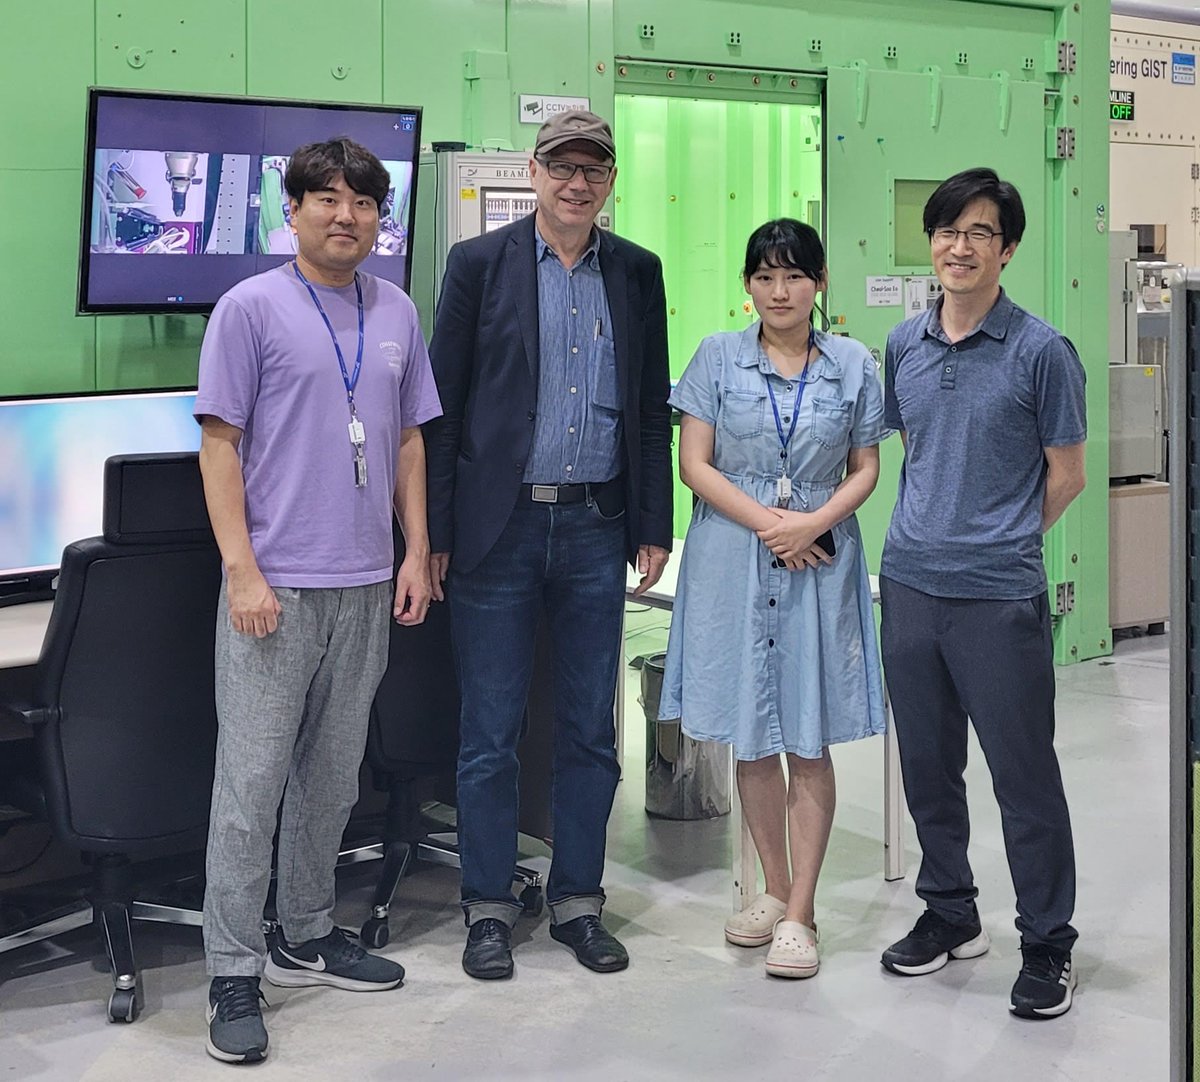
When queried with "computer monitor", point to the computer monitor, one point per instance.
{"points": [[183, 194], [54, 450]]}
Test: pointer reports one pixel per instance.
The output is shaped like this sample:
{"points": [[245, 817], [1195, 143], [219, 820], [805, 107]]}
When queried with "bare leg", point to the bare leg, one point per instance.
{"points": [[811, 798], [763, 792]]}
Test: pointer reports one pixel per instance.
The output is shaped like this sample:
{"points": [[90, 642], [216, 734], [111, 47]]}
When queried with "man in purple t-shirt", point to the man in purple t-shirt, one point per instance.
{"points": [[314, 381]]}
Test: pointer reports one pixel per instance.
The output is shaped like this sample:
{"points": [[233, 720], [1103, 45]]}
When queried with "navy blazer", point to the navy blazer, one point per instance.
{"points": [[485, 359]]}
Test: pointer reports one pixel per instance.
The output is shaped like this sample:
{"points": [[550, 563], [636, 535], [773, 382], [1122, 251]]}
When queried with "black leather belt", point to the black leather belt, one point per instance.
{"points": [[555, 493], [567, 493]]}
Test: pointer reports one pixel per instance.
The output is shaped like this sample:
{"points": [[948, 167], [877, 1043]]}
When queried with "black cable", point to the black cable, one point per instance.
{"points": [[31, 861]]}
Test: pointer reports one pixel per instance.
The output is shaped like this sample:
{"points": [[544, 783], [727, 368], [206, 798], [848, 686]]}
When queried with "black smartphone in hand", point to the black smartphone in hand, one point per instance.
{"points": [[825, 543]]}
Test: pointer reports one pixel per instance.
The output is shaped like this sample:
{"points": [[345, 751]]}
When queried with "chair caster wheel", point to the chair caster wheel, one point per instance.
{"points": [[374, 933], [123, 1005], [533, 901]]}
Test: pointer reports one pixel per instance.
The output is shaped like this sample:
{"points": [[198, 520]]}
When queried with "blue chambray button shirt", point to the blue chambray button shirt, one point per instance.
{"points": [[577, 431]]}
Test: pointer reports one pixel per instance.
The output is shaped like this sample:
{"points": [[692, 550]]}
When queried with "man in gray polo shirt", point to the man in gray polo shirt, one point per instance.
{"points": [[989, 401]]}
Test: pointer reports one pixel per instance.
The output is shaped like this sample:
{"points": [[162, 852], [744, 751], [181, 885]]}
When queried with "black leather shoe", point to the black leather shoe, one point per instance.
{"points": [[488, 953], [593, 945]]}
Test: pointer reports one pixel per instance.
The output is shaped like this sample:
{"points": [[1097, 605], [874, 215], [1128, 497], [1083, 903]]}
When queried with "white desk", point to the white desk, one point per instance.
{"points": [[745, 864], [22, 628]]}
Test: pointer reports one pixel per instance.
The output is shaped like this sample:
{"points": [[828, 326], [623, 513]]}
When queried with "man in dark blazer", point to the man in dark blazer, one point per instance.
{"points": [[550, 468]]}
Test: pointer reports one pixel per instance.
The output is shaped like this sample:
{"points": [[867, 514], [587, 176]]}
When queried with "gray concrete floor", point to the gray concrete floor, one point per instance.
{"points": [[689, 1005]]}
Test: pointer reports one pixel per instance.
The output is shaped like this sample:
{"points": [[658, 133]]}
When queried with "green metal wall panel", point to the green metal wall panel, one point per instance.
{"points": [[415, 74], [45, 347], [296, 49], [133, 352], [41, 121], [782, 34], [150, 45]]}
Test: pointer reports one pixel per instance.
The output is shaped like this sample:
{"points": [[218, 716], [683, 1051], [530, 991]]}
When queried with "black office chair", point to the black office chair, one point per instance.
{"points": [[412, 749], [122, 707]]}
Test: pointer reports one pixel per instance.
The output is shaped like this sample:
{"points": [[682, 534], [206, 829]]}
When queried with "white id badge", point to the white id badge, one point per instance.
{"points": [[357, 435], [783, 491]]}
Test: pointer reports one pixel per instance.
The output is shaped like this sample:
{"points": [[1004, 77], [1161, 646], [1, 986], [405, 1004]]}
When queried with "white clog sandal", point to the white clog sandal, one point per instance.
{"points": [[793, 950], [754, 926]]}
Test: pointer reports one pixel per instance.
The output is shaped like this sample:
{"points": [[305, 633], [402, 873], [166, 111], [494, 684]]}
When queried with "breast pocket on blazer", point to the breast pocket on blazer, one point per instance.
{"points": [[830, 421], [741, 413], [605, 393]]}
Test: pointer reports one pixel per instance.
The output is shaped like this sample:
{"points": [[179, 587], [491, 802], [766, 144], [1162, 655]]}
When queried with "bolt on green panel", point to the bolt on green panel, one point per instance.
{"points": [[334, 56], [187, 47]]}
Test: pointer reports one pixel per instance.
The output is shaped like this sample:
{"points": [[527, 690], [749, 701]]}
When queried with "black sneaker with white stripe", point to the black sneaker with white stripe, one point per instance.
{"points": [[335, 959], [1046, 984], [932, 943]]}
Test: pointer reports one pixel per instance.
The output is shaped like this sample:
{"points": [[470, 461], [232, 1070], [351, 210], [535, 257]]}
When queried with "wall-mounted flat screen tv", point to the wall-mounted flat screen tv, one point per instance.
{"points": [[183, 194]]}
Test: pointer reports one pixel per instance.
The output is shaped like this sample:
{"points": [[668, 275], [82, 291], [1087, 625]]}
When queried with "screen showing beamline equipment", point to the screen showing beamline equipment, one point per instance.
{"points": [[185, 195], [54, 450]]}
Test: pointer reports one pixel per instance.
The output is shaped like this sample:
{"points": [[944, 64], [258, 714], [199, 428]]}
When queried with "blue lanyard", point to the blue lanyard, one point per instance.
{"points": [[785, 440], [350, 381]]}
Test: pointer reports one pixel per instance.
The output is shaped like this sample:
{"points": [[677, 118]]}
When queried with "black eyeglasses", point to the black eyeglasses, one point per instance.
{"points": [[974, 235], [560, 170]]}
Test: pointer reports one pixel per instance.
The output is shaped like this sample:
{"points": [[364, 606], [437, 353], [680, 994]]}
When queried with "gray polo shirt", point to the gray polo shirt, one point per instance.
{"points": [[978, 413]]}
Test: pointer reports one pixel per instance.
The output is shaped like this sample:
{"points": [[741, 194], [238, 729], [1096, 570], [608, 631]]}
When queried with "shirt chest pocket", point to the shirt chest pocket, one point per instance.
{"points": [[830, 421], [742, 413], [605, 392]]}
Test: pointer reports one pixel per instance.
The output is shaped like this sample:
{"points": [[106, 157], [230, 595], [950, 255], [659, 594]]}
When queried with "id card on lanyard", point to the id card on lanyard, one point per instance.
{"points": [[358, 435], [783, 483]]}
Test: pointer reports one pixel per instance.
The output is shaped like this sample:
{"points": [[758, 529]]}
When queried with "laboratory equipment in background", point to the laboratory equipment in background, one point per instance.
{"points": [[1139, 497], [1139, 314]]}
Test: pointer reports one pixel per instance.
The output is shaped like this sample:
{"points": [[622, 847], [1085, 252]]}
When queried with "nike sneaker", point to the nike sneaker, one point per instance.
{"points": [[336, 959]]}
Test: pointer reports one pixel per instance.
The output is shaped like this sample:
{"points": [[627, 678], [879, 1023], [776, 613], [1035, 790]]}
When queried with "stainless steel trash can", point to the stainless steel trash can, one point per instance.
{"points": [[685, 778]]}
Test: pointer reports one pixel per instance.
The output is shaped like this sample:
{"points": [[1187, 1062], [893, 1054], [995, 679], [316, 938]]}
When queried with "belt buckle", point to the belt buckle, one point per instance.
{"points": [[543, 493]]}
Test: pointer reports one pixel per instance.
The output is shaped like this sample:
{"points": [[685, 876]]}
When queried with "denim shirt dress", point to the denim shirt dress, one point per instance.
{"points": [[761, 657]]}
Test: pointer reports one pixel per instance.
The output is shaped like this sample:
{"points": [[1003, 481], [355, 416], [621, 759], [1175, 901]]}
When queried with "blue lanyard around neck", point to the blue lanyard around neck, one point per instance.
{"points": [[350, 381], [785, 440]]}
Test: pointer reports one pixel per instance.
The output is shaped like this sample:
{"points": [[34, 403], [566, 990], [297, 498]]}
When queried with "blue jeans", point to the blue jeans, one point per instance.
{"points": [[569, 562]]}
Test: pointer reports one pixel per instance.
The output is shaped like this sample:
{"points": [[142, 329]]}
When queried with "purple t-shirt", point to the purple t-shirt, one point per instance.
{"points": [[268, 367]]}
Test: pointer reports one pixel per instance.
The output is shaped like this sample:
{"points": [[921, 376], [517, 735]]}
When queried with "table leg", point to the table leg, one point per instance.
{"points": [[745, 858]]}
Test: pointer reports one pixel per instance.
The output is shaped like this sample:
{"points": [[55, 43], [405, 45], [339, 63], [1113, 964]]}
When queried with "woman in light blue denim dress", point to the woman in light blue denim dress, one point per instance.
{"points": [[772, 645]]}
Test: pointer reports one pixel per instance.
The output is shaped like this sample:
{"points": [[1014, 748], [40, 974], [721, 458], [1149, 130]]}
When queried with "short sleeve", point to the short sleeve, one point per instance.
{"points": [[698, 391], [868, 428], [227, 384], [1061, 386], [419, 400], [891, 404]]}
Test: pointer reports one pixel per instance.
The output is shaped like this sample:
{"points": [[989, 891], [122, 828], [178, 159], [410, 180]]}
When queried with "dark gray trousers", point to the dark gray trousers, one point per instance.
{"points": [[947, 659]]}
